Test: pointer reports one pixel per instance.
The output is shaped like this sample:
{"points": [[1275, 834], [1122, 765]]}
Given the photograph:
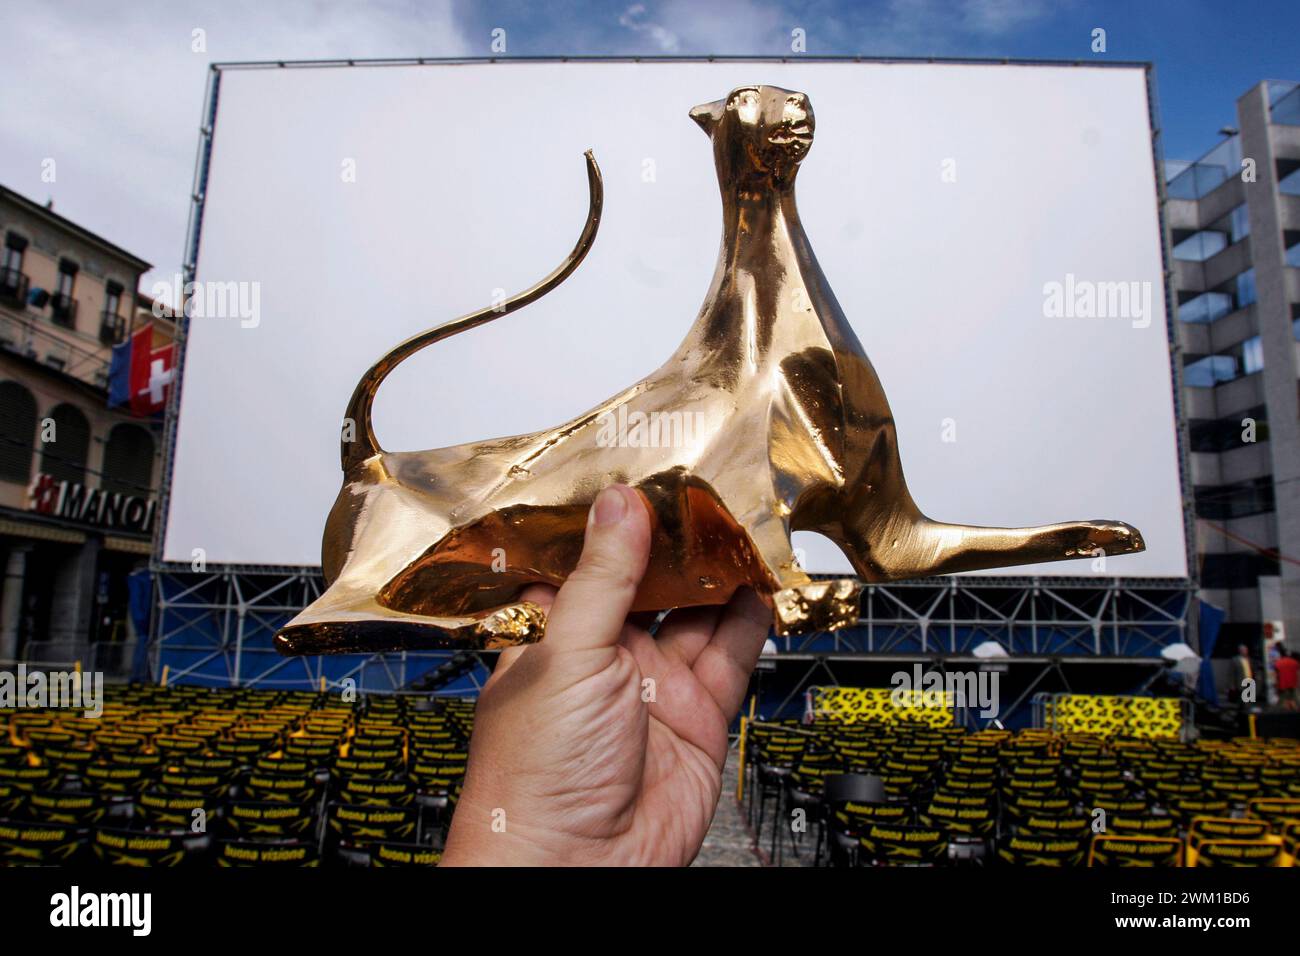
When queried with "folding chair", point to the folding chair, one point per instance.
{"points": [[350, 830], [1041, 850], [281, 788], [840, 790], [158, 809], [382, 791], [1237, 853], [969, 823], [39, 844], [117, 778], [904, 845], [246, 853], [403, 855], [273, 821], [118, 847], [72, 809], [1135, 851], [802, 791]]}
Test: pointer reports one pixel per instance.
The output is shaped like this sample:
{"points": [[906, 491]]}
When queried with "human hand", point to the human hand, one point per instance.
{"points": [[603, 745]]}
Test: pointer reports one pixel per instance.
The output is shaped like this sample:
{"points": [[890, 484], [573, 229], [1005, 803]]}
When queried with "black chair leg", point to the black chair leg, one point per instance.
{"points": [[751, 781], [777, 817], [795, 838]]}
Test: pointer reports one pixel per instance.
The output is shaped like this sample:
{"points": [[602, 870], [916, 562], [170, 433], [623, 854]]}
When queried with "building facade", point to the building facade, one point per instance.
{"points": [[1234, 222], [78, 479]]}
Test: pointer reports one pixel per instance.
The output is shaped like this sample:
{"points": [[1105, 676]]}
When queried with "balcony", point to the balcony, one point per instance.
{"points": [[63, 310], [82, 359], [1284, 103], [111, 327], [1199, 179], [13, 286], [1205, 307]]}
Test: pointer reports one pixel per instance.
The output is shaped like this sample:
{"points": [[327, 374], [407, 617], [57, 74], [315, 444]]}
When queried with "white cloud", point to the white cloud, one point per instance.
{"points": [[730, 26], [633, 19], [999, 17], [891, 28]]}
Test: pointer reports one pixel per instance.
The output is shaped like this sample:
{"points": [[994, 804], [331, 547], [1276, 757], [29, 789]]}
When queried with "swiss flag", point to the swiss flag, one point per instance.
{"points": [[152, 371]]}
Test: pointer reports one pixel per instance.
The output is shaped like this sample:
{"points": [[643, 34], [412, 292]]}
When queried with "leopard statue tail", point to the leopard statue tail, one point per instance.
{"points": [[358, 442]]}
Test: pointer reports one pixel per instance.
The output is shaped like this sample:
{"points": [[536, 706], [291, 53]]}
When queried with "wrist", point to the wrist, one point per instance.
{"points": [[484, 834]]}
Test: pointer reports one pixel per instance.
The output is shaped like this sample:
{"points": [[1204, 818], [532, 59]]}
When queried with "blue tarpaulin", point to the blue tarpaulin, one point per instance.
{"points": [[140, 600], [1211, 619], [119, 375]]}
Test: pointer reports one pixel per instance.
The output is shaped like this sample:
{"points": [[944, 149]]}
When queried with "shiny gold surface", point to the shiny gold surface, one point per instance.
{"points": [[770, 419]]}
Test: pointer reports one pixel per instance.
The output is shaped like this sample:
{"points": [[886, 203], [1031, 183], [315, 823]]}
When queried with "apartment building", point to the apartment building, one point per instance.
{"points": [[78, 479], [1234, 221]]}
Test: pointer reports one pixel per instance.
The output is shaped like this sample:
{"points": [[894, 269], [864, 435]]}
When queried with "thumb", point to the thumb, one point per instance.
{"points": [[591, 607]]}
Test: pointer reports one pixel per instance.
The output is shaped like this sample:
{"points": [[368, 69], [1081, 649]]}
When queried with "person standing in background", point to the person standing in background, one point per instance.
{"points": [[1286, 667], [1242, 670]]}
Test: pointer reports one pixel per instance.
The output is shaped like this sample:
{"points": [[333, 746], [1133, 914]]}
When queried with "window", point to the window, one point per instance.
{"points": [[1285, 108], [1194, 180], [1246, 288], [1237, 570], [1236, 500], [67, 278], [112, 298], [1199, 246], [13, 252], [110, 322], [63, 307], [13, 284], [128, 460], [1239, 223], [1293, 254], [1244, 358], [1205, 307], [1290, 183], [1209, 371], [1252, 356], [17, 432], [65, 457], [1218, 435]]}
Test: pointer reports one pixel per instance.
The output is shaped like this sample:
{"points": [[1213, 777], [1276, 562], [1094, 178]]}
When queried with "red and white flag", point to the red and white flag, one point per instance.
{"points": [[152, 371]]}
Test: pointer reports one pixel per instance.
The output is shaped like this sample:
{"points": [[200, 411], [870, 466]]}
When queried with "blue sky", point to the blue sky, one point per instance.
{"points": [[113, 91], [1206, 54]]}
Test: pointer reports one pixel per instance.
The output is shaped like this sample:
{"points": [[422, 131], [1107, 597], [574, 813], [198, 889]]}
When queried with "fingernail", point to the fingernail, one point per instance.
{"points": [[609, 508]]}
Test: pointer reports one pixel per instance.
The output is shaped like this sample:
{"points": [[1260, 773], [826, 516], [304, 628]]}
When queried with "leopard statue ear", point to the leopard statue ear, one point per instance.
{"points": [[707, 115]]}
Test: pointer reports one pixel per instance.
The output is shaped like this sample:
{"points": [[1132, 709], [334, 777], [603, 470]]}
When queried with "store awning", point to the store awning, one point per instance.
{"points": [[43, 532], [129, 545]]}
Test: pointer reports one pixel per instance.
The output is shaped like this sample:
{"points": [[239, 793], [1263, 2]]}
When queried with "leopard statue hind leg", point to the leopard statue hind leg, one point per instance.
{"points": [[886, 537]]}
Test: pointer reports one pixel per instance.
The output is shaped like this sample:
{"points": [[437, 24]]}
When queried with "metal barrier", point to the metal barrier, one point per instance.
{"points": [[879, 704], [52, 654], [114, 659], [1112, 715]]}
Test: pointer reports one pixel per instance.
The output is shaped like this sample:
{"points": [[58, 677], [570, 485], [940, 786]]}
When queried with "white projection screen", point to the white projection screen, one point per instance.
{"points": [[367, 203]]}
